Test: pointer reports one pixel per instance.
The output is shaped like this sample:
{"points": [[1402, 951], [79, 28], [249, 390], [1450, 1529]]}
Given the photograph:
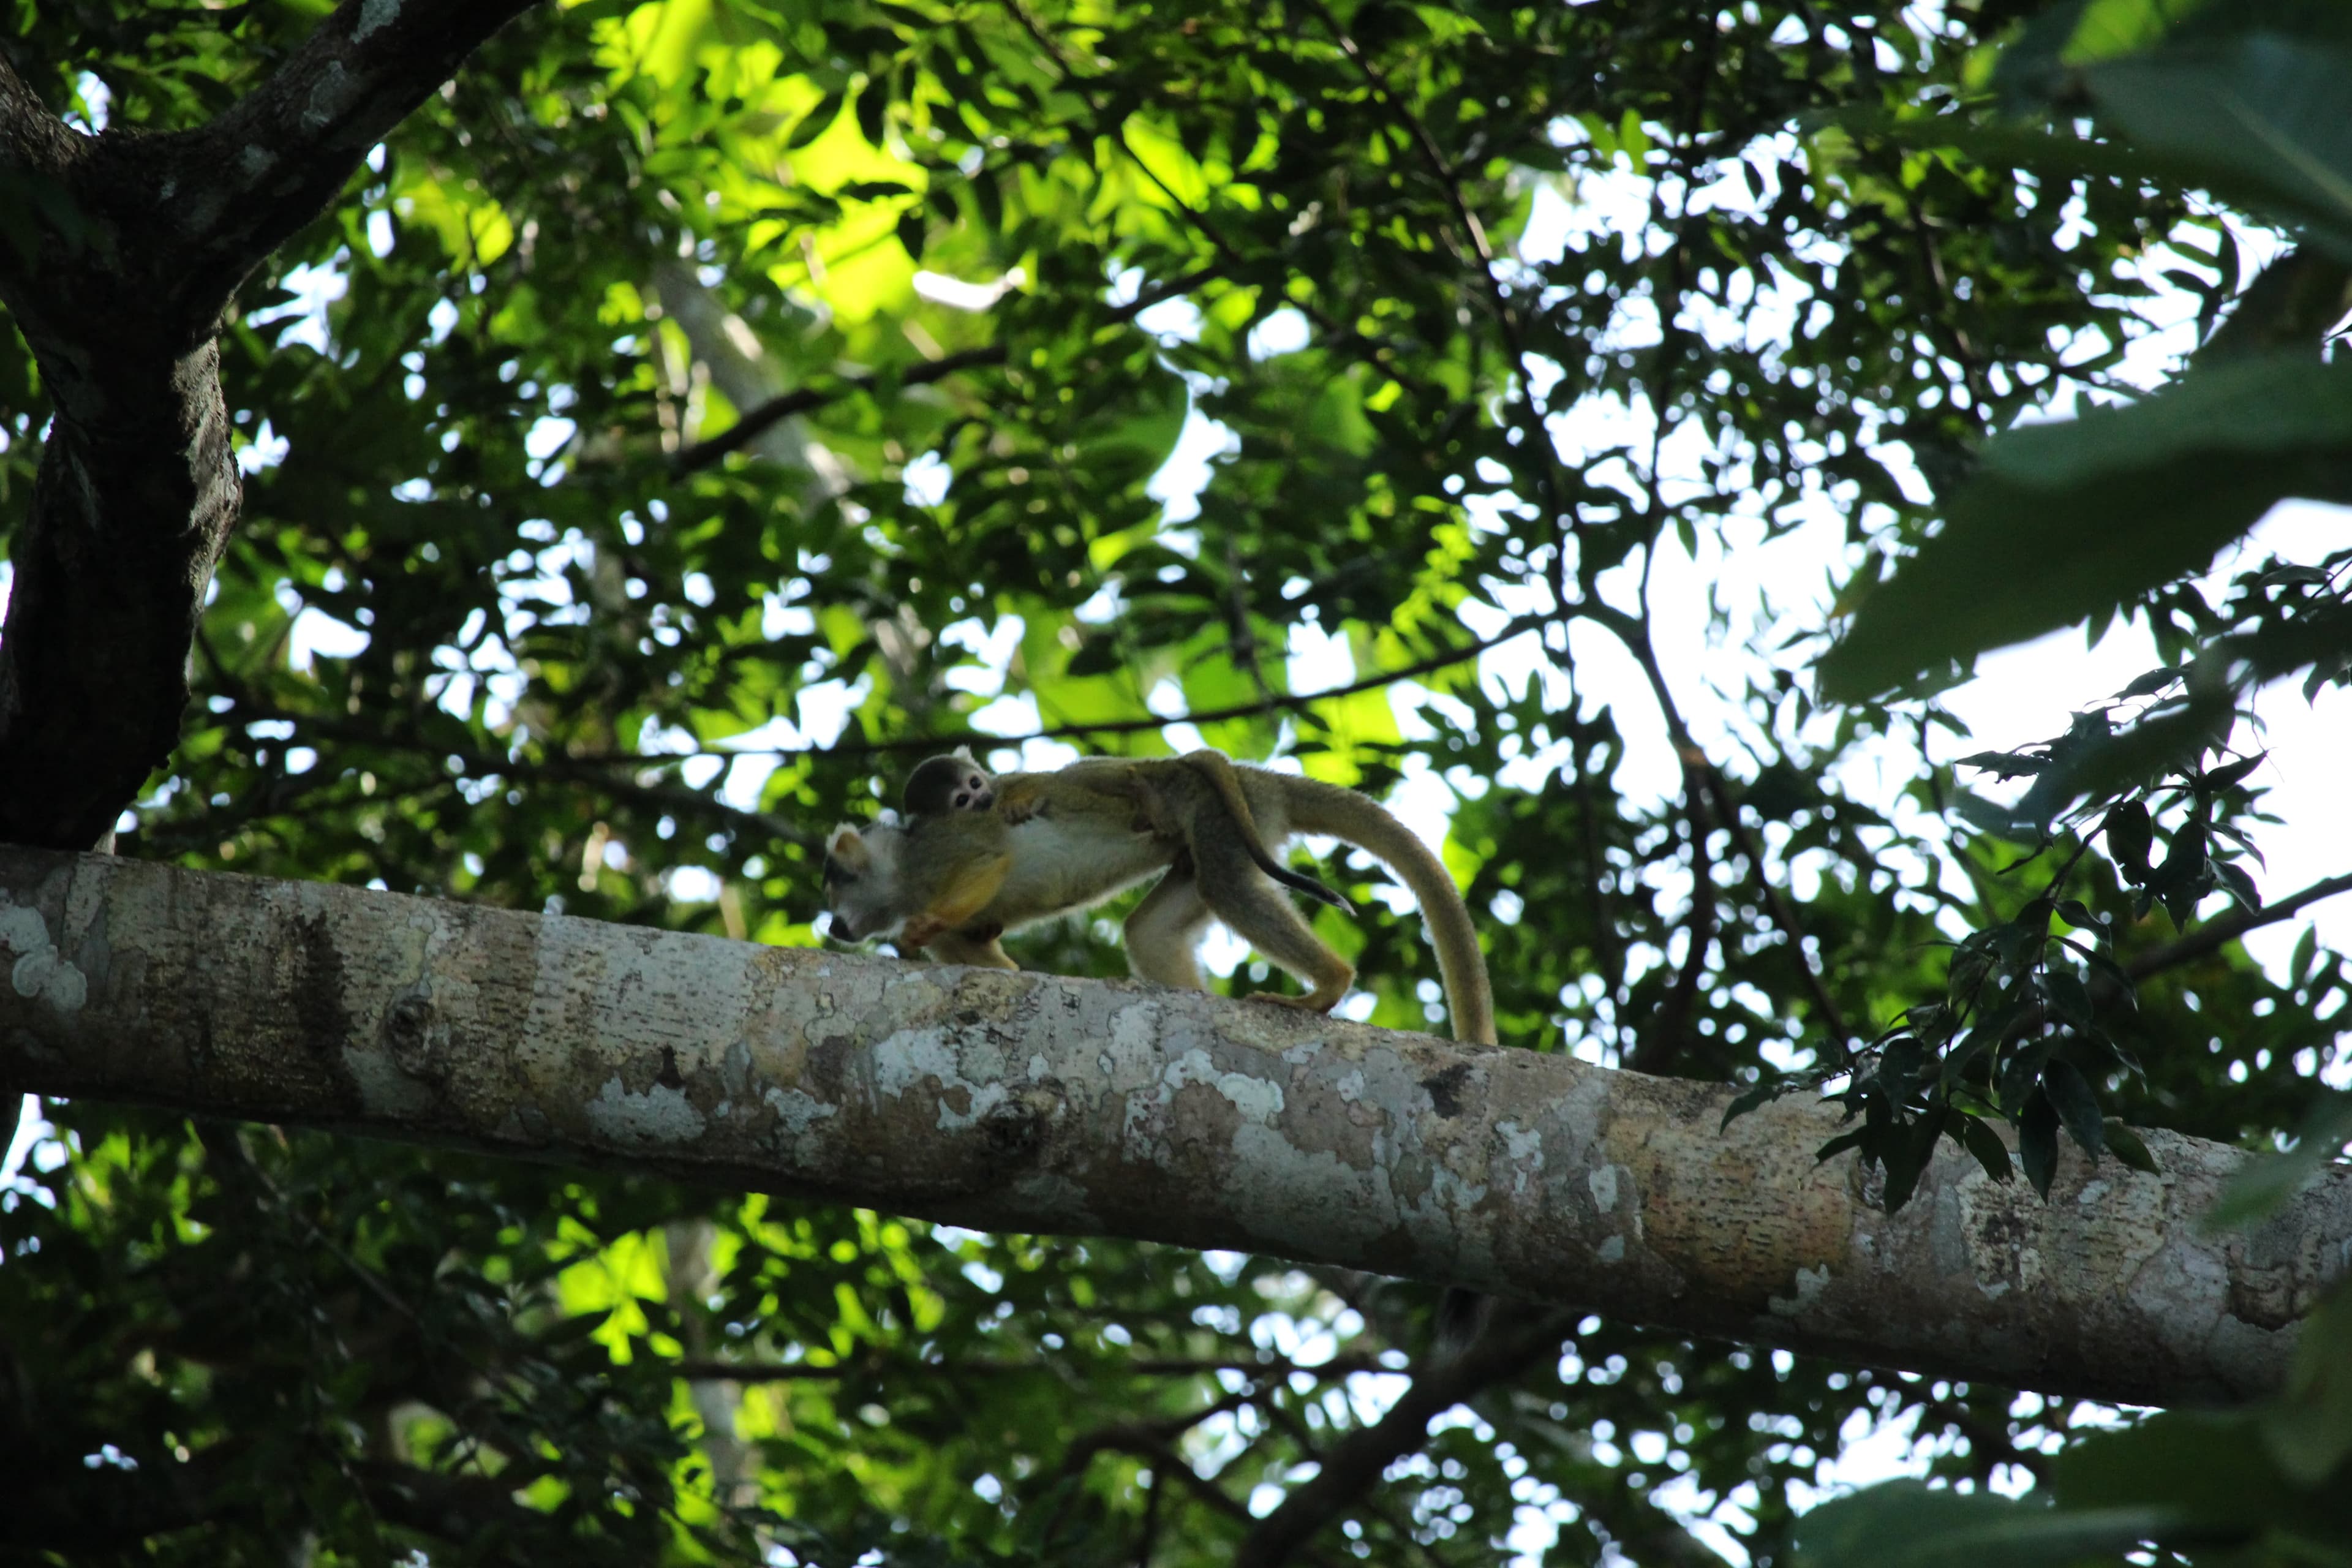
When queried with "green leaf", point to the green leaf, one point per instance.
{"points": [[2037, 1142], [2116, 976], [1907, 1156], [2231, 776], [2212, 1473], [2128, 1147], [2238, 883], [2077, 1104], [2069, 997], [2309, 1430], [2268, 110], [2130, 835], [2267, 1180], [1985, 1143], [2077, 913], [815, 122], [1840, 1144], [2068, 521], [1908, 1524], [1760, 1094]]}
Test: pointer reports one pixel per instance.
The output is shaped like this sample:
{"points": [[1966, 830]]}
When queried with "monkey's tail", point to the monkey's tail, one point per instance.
{"points": [[1319, 807]]}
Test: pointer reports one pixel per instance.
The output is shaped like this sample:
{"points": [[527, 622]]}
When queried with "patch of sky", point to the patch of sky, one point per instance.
{"points": [[301, 317], [264, 449], [1282, 332], [93, 104], [958, 295], [314, 633], [693, 885], [31, 1140], [927, 479]]}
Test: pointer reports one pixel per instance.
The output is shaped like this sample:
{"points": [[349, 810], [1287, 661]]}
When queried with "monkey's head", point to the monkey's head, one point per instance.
{"points": [[954, 783], [861, 880]]}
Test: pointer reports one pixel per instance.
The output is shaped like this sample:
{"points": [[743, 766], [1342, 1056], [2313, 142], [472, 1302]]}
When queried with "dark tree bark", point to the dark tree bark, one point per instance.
{"points": [[119, 254]]}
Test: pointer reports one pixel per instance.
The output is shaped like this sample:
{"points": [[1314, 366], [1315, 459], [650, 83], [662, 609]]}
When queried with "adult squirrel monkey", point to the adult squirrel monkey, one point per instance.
{"points": [[955, 880], [1162, 795]]}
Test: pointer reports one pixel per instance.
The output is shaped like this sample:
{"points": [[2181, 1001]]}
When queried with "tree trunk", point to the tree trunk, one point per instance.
{"points": [[117, 255]]}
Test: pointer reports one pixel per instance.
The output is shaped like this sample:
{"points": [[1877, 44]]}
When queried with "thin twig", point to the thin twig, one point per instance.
{"points": [[1506, 319], [1663, 1040], [2216, 933], [803, 400], [1295, 702], [1784, 914], [594, 772], [1142, 1366]]}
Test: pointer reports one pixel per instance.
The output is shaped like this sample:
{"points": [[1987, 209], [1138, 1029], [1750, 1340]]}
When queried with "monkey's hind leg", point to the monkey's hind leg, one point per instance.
{"points": [[1246, 900], [1164, 932]]}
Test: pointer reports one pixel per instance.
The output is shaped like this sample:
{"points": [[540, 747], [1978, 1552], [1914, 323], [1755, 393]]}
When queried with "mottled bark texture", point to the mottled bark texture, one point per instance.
{"points": [[1033, 1102], [119, 254]]}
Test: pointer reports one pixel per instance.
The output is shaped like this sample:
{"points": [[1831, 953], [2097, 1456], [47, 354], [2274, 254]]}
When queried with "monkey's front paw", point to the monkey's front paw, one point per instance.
{"points": [[1303, 1004], [1016, 812], [921, 934]]}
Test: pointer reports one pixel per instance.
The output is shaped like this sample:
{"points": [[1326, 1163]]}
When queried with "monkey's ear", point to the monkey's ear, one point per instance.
{"points": [[847, 848], [963, 754]]}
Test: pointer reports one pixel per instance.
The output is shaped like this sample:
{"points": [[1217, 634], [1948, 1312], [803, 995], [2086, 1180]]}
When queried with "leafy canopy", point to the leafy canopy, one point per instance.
{"points": [[691, 377]]}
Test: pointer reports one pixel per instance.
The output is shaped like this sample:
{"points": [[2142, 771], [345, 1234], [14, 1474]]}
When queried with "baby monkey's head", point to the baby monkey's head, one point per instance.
{"points": [[954, 783]]}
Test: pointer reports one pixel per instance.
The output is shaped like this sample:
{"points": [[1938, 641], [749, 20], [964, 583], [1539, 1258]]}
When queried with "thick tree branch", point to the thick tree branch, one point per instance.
{"points": [[283, 153], [120, 255], [1031, 1102]]}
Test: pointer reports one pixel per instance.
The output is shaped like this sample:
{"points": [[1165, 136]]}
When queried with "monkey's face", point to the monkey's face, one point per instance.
{"points": [[861, 881], [975, 791]]}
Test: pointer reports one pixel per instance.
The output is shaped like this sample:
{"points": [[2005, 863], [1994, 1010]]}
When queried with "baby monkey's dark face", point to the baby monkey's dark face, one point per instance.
{"points": [[949, 784]]}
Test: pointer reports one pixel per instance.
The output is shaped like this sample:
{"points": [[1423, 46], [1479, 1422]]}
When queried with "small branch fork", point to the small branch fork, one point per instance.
{"points": [[1353, 1466]]}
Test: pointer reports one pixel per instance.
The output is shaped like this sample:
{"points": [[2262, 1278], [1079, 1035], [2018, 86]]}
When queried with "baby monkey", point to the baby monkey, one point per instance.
{"points": [[1178, 799]]}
